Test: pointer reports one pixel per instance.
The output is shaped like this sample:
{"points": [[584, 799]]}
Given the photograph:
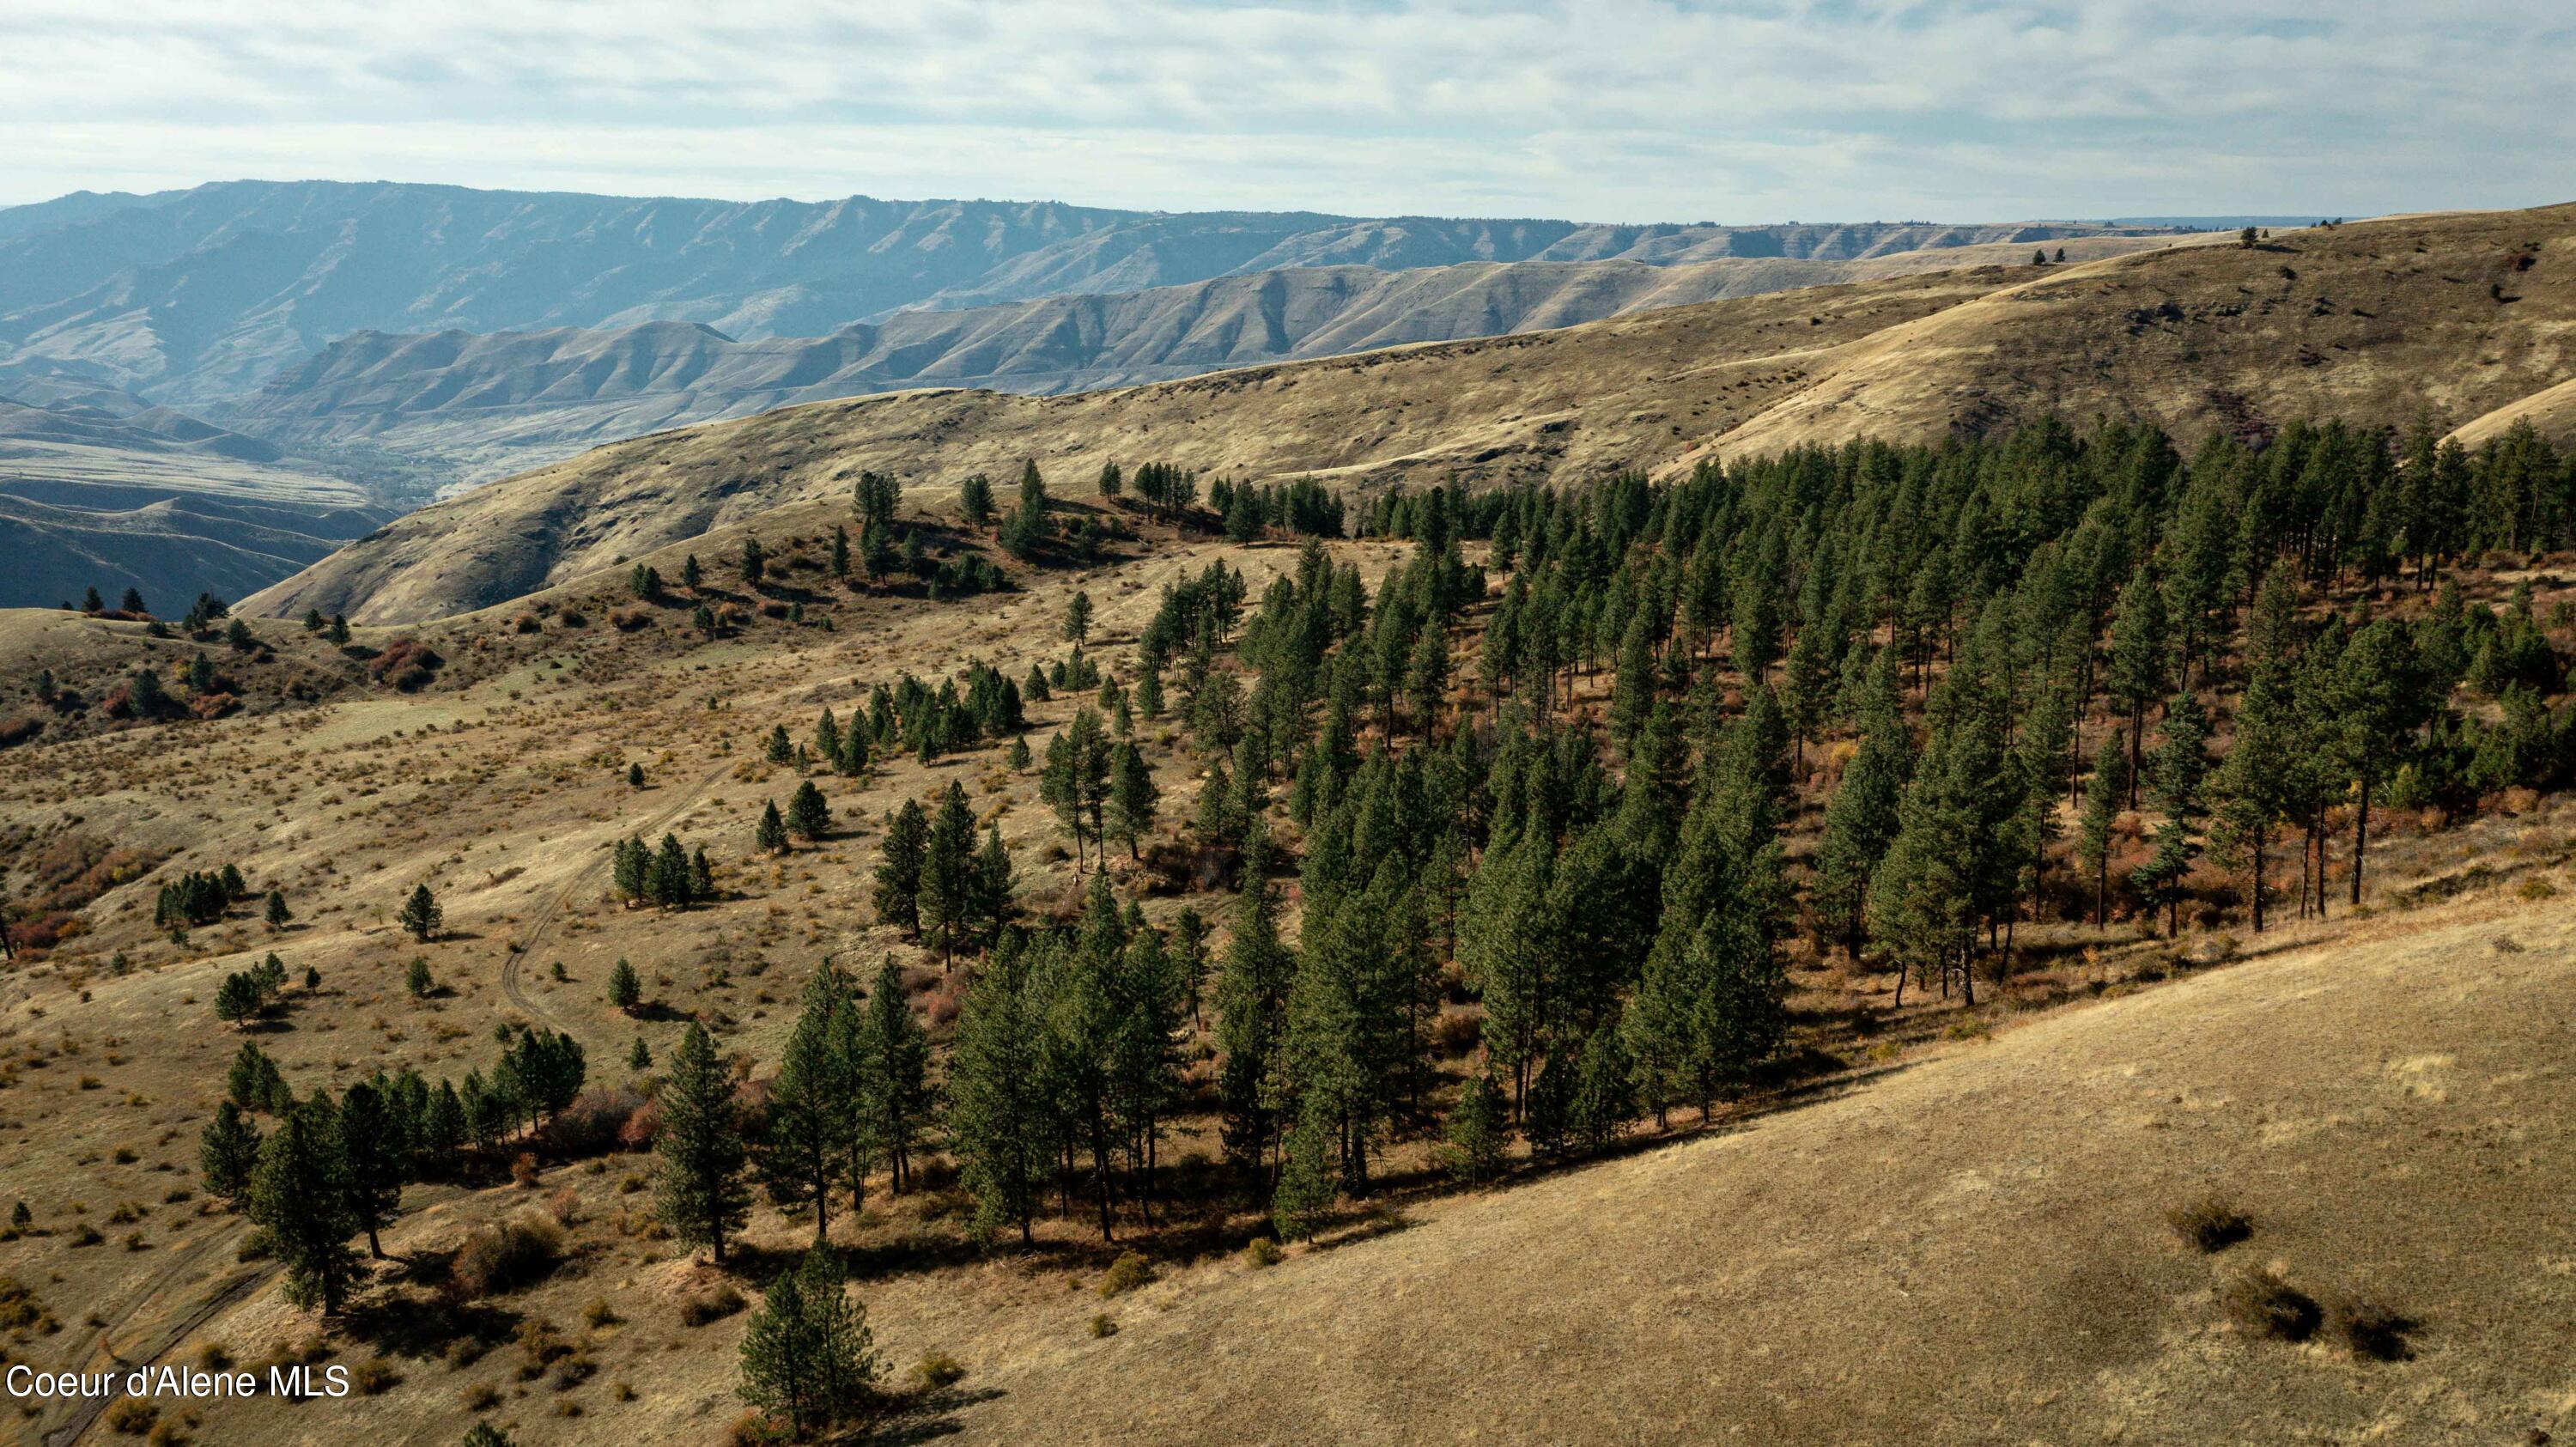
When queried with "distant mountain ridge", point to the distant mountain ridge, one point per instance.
{"points": [[196, 298], [498, 402]]}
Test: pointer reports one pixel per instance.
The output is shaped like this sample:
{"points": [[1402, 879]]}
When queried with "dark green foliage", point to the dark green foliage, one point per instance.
{"points": [[808, 1359], [421, 917], [701, 1193], [300, 1198], [227, 1153], [625, 992], [807, 814]]}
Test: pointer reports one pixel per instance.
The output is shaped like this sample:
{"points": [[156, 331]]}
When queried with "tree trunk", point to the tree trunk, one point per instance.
{"points": [[2360, 837]]}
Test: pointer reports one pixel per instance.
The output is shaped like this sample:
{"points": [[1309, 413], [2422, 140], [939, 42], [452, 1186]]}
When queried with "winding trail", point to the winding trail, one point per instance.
{"points": [[226, 1296], [554, 907]]}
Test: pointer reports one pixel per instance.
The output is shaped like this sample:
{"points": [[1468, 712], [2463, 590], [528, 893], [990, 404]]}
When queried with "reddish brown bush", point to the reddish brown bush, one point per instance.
{"points": [[594, 1124], [19, 730]]}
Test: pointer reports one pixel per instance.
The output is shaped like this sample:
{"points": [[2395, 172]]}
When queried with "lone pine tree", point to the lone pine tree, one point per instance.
{"points": [[701, 1194]]}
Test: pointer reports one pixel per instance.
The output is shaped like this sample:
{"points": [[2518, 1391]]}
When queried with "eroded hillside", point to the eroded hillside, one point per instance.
{"points": [[2452, 316]]}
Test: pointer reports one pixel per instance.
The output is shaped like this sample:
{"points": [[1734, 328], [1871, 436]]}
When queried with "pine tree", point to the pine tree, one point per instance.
{"points": [[807, 814], [1077, 619], [770, 836], [1000, 1114], [238, 1000], [810, 1100], [421, 917], [897, 890], [975, 500], [299, 1197], [2138, 647], [1076, 782], [2104, 793], [1132, 797], [949, 878], [1252, 1025], [227, 1154], [994, 885], [278, 914], [625, 992], [898, 1097], [1306, 1189], [1478, 1133], [374, 1145], [701, 1192], [2181, 761], [2380, 697], [808, 1359]]}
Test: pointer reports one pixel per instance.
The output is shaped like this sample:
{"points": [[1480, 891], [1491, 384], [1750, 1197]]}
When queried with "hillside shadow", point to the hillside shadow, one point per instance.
{"points": [[930, 1417]]}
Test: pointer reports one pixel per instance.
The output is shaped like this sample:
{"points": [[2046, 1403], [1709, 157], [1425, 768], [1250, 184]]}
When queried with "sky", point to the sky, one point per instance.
{"points": [[1603, 110]]}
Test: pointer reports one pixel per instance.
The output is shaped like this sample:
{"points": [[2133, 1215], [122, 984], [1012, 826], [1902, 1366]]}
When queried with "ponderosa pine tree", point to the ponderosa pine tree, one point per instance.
{"points": [[1132, 797], [377, 1161], [625, 991], [2180, 763], [1252, 1024], [299, 1197], [897, 1093], [807, 814], [950, 906], [900, 858], [700, 1192], [2139, 644], [770, 835], [2379, 700], [2105, 793], [801, 1150], [227, 1154], [421, 917], [808, 1359], [1001, 1117]]}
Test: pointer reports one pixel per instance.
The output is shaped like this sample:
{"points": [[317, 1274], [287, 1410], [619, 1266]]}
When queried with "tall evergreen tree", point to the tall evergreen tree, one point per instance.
{"points": [[377, 1152], [299, 1197], [900, 860], [701, 1193]]}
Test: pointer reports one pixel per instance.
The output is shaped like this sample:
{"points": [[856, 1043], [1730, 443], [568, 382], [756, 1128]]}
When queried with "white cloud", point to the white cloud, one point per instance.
{"points": [[1624, 109]]}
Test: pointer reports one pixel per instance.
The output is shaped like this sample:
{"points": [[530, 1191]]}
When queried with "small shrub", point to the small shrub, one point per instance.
{"points": [[482, 1397], [374, 1376], [505, 1255], [709, 1303], [2369, 1329], [133, 1416], [2262, 1304], [2209, 1224], [599, 1313], [938, 1369], [1126, 1273], [1262, 1251], [1102, 1325]]}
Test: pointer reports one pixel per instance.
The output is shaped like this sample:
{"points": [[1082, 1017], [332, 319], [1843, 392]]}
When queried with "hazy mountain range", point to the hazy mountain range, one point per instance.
{"points": [[326, 345]]}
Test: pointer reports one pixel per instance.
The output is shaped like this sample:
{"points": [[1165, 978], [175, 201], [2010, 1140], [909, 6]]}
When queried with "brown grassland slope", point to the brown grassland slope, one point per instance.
{"points": [[1969, 1249], [2453, 315], [1942, 1224]]}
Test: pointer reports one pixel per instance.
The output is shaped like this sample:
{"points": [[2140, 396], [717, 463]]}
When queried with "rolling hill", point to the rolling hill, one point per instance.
{"points": [[2454, 316], [499, 402], [1970, 1250]]}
